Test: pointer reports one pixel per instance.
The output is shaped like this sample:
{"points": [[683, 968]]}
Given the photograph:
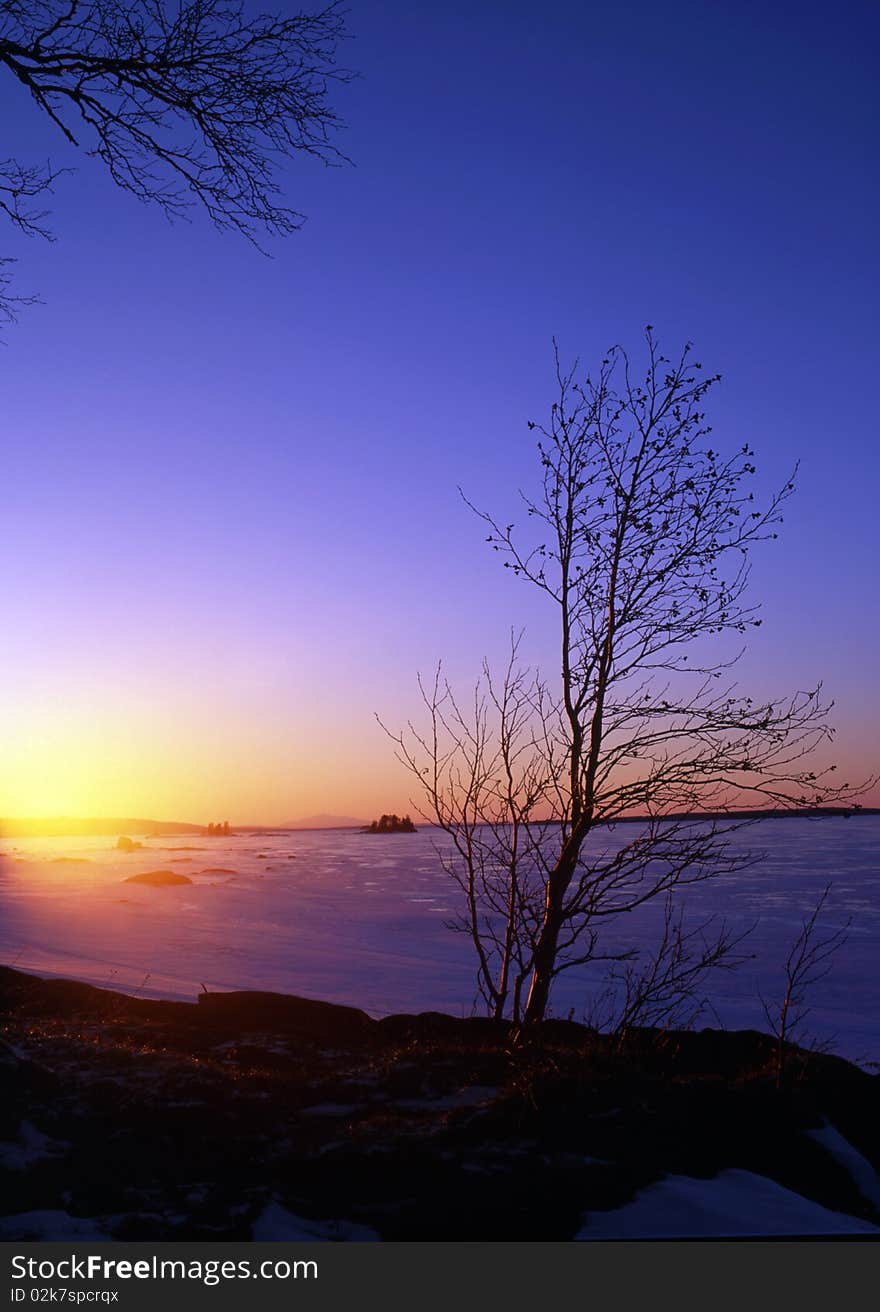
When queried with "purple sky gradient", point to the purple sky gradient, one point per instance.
{"points": [[230, 525]]}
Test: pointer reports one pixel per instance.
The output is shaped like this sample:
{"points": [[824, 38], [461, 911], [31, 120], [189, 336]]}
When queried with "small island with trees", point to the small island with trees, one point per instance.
{"points": [[391, 824]]}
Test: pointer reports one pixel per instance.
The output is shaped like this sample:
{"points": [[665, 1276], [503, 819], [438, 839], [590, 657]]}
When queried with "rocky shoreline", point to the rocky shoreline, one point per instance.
{"points": [[262, 1116]]}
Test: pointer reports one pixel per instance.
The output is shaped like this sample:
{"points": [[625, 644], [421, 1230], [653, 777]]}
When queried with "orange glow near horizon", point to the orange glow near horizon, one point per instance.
{"points": [[79, 766], [231, 740], [67, 768]]}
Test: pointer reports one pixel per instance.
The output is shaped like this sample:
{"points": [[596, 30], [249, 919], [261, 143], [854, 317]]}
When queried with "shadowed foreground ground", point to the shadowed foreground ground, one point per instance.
{"points": [[262, 1116]]}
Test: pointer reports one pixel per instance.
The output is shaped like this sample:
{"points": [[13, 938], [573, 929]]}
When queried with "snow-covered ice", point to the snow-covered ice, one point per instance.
{"points": [[360, 919]]}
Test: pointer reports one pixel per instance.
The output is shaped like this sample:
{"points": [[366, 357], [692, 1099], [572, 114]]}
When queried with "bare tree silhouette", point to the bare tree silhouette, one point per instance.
{"points": [[641, 547], [186, 104], [809, 960], [666, 988]]}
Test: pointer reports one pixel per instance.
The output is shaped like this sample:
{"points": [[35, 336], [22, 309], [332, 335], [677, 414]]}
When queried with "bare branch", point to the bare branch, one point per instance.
{"points": [[189, 104], [809, 960], [666, 990]]}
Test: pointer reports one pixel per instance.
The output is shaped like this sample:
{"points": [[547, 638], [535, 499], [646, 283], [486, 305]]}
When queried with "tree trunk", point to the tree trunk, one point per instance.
{"points": [[545, 951], [542, 971]]}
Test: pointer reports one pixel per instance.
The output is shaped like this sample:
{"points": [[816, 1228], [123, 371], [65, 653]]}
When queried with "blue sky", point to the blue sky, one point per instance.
{"points": [[230, 510]]}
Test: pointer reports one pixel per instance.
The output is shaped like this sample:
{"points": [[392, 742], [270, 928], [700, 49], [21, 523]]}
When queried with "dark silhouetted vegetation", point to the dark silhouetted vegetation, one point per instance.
{"points": [[189, 104], [809, 961], [425, 1127], [391, 824], [638, 540]]}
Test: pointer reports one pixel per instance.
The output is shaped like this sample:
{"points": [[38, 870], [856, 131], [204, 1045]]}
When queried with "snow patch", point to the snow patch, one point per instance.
{"points": [[733, 1204], [50, 1225], [275, 1225], [859, 1169], [30, 1147]]}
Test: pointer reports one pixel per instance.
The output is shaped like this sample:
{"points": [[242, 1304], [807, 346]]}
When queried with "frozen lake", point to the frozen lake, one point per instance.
{"points": [[359, 919]]}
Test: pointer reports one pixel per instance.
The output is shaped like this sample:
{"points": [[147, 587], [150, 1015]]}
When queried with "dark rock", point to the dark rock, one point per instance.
{"points": [[285, 1013], [439, 1025], [61, 999], [158, 878], [124, 844]]}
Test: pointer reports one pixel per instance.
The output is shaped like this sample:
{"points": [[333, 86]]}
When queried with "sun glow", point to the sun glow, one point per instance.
{"points": [[167, 764]]}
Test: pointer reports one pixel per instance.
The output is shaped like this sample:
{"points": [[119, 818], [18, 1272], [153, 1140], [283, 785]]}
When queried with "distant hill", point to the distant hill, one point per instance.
{"points": [[325, 822], [76, 826]]}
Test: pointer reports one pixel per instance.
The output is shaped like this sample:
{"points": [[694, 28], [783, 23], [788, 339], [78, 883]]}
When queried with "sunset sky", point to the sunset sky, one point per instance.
{"points": [[230, 523]]}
